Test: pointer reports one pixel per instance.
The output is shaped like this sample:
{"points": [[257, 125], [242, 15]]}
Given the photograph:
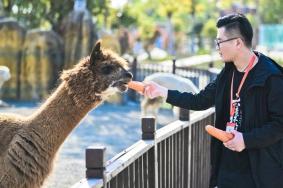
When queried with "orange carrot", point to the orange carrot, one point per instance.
{"points": [[219, 134], [135, 85]]}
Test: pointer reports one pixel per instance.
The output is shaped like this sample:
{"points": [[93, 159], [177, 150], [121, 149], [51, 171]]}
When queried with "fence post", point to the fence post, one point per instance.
{"points": [[148, 133], [211, 64], [95, 161], [184, 114], [148, 128], [134, 68], [174, 66]]}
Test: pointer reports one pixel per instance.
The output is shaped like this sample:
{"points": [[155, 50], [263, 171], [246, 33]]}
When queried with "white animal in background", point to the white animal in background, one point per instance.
{"points": [[170, 81], [4, 75]]}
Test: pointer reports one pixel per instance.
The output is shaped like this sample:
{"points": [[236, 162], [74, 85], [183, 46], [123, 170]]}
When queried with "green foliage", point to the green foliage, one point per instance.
{"points": [[123, 18], [226, 4], [180, 23], [98, 6], [136, 12], [147, 29], [203, 51], [167, 8], [217, 64], [42, 13], [149, 14], [36, 13], [271, 11], [145, 14], [279, 61], [209, 29], [252, 20]]}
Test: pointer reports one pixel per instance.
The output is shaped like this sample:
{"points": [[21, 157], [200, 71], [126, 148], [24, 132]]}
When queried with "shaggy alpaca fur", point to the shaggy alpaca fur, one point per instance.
{"points": [[170, 81], [28, 144]]}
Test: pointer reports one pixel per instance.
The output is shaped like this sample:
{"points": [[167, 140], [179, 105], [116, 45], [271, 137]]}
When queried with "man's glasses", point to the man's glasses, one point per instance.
{"points": [[217, 42]]}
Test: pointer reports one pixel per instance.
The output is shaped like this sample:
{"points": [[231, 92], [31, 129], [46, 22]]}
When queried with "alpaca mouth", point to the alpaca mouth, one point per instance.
{"points": [[122, 86]]}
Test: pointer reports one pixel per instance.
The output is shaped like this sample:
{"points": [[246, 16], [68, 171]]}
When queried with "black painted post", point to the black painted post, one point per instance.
{"points": [[211, 64], [132, 94], [148, 128], [95, 161], [148, 133], [174, 66], [134, 68], [184, 114]]}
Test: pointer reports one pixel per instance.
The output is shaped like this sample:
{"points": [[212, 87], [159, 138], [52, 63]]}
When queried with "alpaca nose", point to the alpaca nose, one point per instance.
{"points": [[129, 75]]}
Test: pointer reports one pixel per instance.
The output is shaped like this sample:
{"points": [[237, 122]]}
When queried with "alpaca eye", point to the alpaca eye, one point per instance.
{"points": [[107, 69]]}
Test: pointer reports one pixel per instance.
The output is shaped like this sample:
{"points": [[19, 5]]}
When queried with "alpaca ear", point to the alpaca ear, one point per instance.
{"points": [[96, 52]]}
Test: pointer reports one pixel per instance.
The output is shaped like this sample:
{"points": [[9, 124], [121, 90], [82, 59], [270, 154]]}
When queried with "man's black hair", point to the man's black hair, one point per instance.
{"points": [[237, 22]]}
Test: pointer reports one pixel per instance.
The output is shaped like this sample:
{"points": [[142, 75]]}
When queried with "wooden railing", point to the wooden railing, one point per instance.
{"points": [[175, 156]]}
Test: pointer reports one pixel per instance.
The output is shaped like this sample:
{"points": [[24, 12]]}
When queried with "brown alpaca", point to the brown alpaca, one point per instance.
{"points": [[28, 144]]}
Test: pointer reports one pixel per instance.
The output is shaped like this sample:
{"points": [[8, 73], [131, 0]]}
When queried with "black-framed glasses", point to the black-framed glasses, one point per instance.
{"points": [[217, 42]]}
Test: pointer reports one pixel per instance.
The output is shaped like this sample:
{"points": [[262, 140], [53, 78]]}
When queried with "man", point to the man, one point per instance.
{"points": [[248, 101]]}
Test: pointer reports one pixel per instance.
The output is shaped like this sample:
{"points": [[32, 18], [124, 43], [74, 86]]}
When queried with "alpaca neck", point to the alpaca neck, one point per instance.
{"points": [[58, 116]]}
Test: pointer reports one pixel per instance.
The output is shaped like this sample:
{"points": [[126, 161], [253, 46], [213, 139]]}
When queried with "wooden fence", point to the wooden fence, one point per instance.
{"points": [[175, 156]]}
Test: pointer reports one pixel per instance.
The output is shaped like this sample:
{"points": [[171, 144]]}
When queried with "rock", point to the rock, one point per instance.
{"points": [[41, 63], [11, 41], [79, 35]]}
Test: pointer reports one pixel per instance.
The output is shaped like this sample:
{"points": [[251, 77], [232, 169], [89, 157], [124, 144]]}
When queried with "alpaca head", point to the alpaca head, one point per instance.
{"points": [[96, 77]]}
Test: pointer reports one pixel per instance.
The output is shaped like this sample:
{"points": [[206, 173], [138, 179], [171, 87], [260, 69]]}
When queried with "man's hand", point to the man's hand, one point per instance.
{"points": [[237, 143], [153, 90]]}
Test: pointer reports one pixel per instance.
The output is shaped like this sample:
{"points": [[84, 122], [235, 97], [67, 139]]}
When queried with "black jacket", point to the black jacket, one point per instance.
{"points": [[262, 101]]}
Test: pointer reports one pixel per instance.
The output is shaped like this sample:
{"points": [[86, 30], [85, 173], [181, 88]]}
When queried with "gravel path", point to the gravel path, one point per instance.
{"points": [[114, 126]]}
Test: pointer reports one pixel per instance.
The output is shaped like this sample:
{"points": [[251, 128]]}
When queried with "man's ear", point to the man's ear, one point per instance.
{"points": [[239, 43], [96, 52]]}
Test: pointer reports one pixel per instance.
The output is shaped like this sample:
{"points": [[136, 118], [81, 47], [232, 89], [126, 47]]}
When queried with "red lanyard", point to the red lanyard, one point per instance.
{"points": [[232, 108]]}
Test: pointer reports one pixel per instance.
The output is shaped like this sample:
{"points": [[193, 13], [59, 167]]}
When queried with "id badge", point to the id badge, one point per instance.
{"points": [[230, 126]]}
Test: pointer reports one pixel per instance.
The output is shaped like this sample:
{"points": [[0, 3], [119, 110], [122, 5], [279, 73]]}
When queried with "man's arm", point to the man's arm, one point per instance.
{"points": [[200, 101]]}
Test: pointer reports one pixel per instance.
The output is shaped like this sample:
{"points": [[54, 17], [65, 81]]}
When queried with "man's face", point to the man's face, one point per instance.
{"points": [[227, 45]]}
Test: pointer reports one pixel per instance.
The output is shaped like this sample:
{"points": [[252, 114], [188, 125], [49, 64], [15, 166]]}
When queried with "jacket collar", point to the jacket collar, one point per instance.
{"points": [[265, 68]]}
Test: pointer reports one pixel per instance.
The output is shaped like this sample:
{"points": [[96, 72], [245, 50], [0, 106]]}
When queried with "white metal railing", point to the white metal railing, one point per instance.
{"points": [[176, 155]]}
